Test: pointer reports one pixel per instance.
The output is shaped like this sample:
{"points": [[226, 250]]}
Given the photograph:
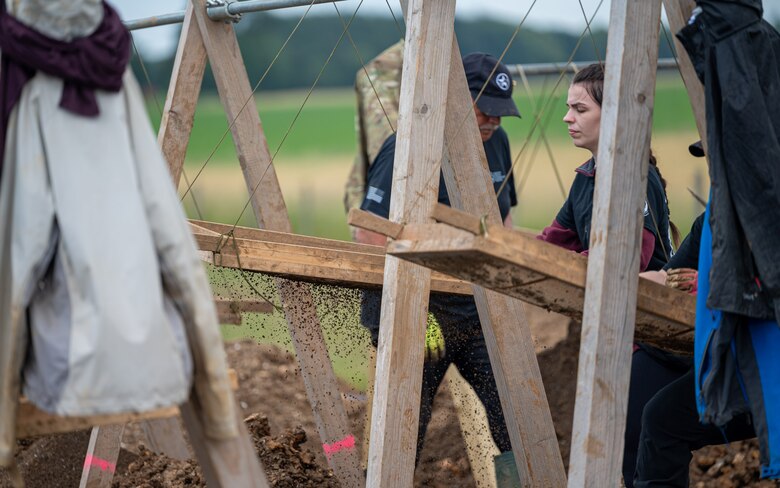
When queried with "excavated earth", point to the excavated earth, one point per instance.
{"points": [[272, 396]]}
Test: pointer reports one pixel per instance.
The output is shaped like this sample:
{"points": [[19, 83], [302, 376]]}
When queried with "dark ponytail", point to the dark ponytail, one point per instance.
{"points": [[674, 229]]}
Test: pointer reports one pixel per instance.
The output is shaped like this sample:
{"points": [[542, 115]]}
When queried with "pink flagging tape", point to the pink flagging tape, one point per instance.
{"points": [[345, 444], [104, 465]]}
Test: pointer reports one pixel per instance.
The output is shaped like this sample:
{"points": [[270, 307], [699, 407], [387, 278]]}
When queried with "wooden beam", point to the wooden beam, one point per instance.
{"points": [[616, 236], [225, 463], [230, 311], [166, 436], [504, 327], [474, 426], [678, 12], [544, 275], [102, 454], [270, 211], [310, 259], [183, 92], [396, 406], [32, 421], [368, 221]]}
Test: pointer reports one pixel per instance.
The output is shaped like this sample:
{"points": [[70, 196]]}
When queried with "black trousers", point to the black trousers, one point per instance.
{"points": [[671, 431], [464, 347], [650, 373]]}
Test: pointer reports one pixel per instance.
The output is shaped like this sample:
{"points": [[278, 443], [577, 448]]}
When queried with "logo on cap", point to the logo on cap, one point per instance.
{"points": [[502, 80]]}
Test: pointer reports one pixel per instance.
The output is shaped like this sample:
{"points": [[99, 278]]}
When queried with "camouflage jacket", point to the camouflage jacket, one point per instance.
{"points": [[377, 88]]}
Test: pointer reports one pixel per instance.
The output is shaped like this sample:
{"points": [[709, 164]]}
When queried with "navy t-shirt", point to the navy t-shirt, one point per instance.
{"points": [[578, 208], [380, 176], [444, 306]]}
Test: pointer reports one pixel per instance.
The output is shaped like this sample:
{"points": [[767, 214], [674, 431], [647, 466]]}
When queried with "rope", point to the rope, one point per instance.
{"points": [[546, 105], [365, 70], [295, 119], [590, 33], [250, 98], [430, 178], [532, 101], [392, 14], [160, 113]]}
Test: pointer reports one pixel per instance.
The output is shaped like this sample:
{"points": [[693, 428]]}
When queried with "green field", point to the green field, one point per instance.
{"points": [[317, 152]]}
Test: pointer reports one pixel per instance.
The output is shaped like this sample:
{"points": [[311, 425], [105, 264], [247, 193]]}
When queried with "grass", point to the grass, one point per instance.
{"points": [[315, 158]]}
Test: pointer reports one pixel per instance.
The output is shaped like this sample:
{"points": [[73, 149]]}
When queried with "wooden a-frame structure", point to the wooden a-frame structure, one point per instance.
{"points": [[437, 129]]}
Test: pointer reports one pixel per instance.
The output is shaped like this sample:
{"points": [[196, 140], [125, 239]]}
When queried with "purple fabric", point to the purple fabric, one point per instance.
{"points": [[85, 64]]}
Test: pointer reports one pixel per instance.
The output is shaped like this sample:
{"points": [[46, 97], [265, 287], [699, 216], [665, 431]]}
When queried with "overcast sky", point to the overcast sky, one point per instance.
{"points": [[552, 14]]}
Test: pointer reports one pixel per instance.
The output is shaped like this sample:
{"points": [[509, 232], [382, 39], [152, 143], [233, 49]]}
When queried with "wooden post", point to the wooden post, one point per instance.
{"points": [[166, 436], [474, 427], [225, 464], [271, 212], [396, 406], [678, 12], [183, 92], [504, 327], [613, 264], [102, 453]]}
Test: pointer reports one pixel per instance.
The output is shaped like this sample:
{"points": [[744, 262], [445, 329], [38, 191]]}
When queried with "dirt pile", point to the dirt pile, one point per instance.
{"points": [[286, 463], [272, 395]]}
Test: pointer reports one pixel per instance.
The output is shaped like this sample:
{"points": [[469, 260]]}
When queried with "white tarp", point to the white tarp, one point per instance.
{"points": [[95, 251]]}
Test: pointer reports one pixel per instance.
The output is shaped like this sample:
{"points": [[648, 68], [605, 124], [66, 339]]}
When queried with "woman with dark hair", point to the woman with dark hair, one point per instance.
{"points": [[652, 369]]}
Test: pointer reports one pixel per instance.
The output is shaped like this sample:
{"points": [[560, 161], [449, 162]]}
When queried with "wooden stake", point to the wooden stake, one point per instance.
{"points": [[271, 212], [474, 427], [227, 463], [102, 454], [396, 406], [166, 436], [613, 264], [183, 92]]}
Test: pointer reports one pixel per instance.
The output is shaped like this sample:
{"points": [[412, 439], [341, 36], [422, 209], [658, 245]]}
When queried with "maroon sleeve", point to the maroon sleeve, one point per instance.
{"points": [[559, 235], [648, 246]]}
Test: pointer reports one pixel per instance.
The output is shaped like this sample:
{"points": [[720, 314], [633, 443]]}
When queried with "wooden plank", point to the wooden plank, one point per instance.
{"points": [[230, 311], [418, 152], [544, 275], [225, 463], [102, 454], [270, 211], [456, 218], [613, 263], [678, 12], [474, 427], [183, 92], [166, 436], [346, 264], [368, 221], [32, 421], [506, 332], [250, 234]]}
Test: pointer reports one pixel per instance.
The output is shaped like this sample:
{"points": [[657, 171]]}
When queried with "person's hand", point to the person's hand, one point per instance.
{"points": [[683, 279], [434, 340]]}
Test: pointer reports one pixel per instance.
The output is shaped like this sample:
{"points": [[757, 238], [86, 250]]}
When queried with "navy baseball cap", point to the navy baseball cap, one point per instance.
{"points": [[496, 99]]}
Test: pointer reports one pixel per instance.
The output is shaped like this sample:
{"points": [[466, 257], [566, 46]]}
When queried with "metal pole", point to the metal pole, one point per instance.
{"points": [[541, 69], [228, 11]]}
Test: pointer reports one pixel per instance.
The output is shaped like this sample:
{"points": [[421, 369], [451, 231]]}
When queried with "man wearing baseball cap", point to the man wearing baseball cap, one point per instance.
{"points": [[454, 331]]}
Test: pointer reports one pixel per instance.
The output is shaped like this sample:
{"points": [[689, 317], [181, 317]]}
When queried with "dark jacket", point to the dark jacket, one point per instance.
{"points": [[737, 57]]}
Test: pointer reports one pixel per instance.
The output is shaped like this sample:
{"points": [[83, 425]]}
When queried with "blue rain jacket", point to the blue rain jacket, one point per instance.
{"points": [[737, 370]]}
